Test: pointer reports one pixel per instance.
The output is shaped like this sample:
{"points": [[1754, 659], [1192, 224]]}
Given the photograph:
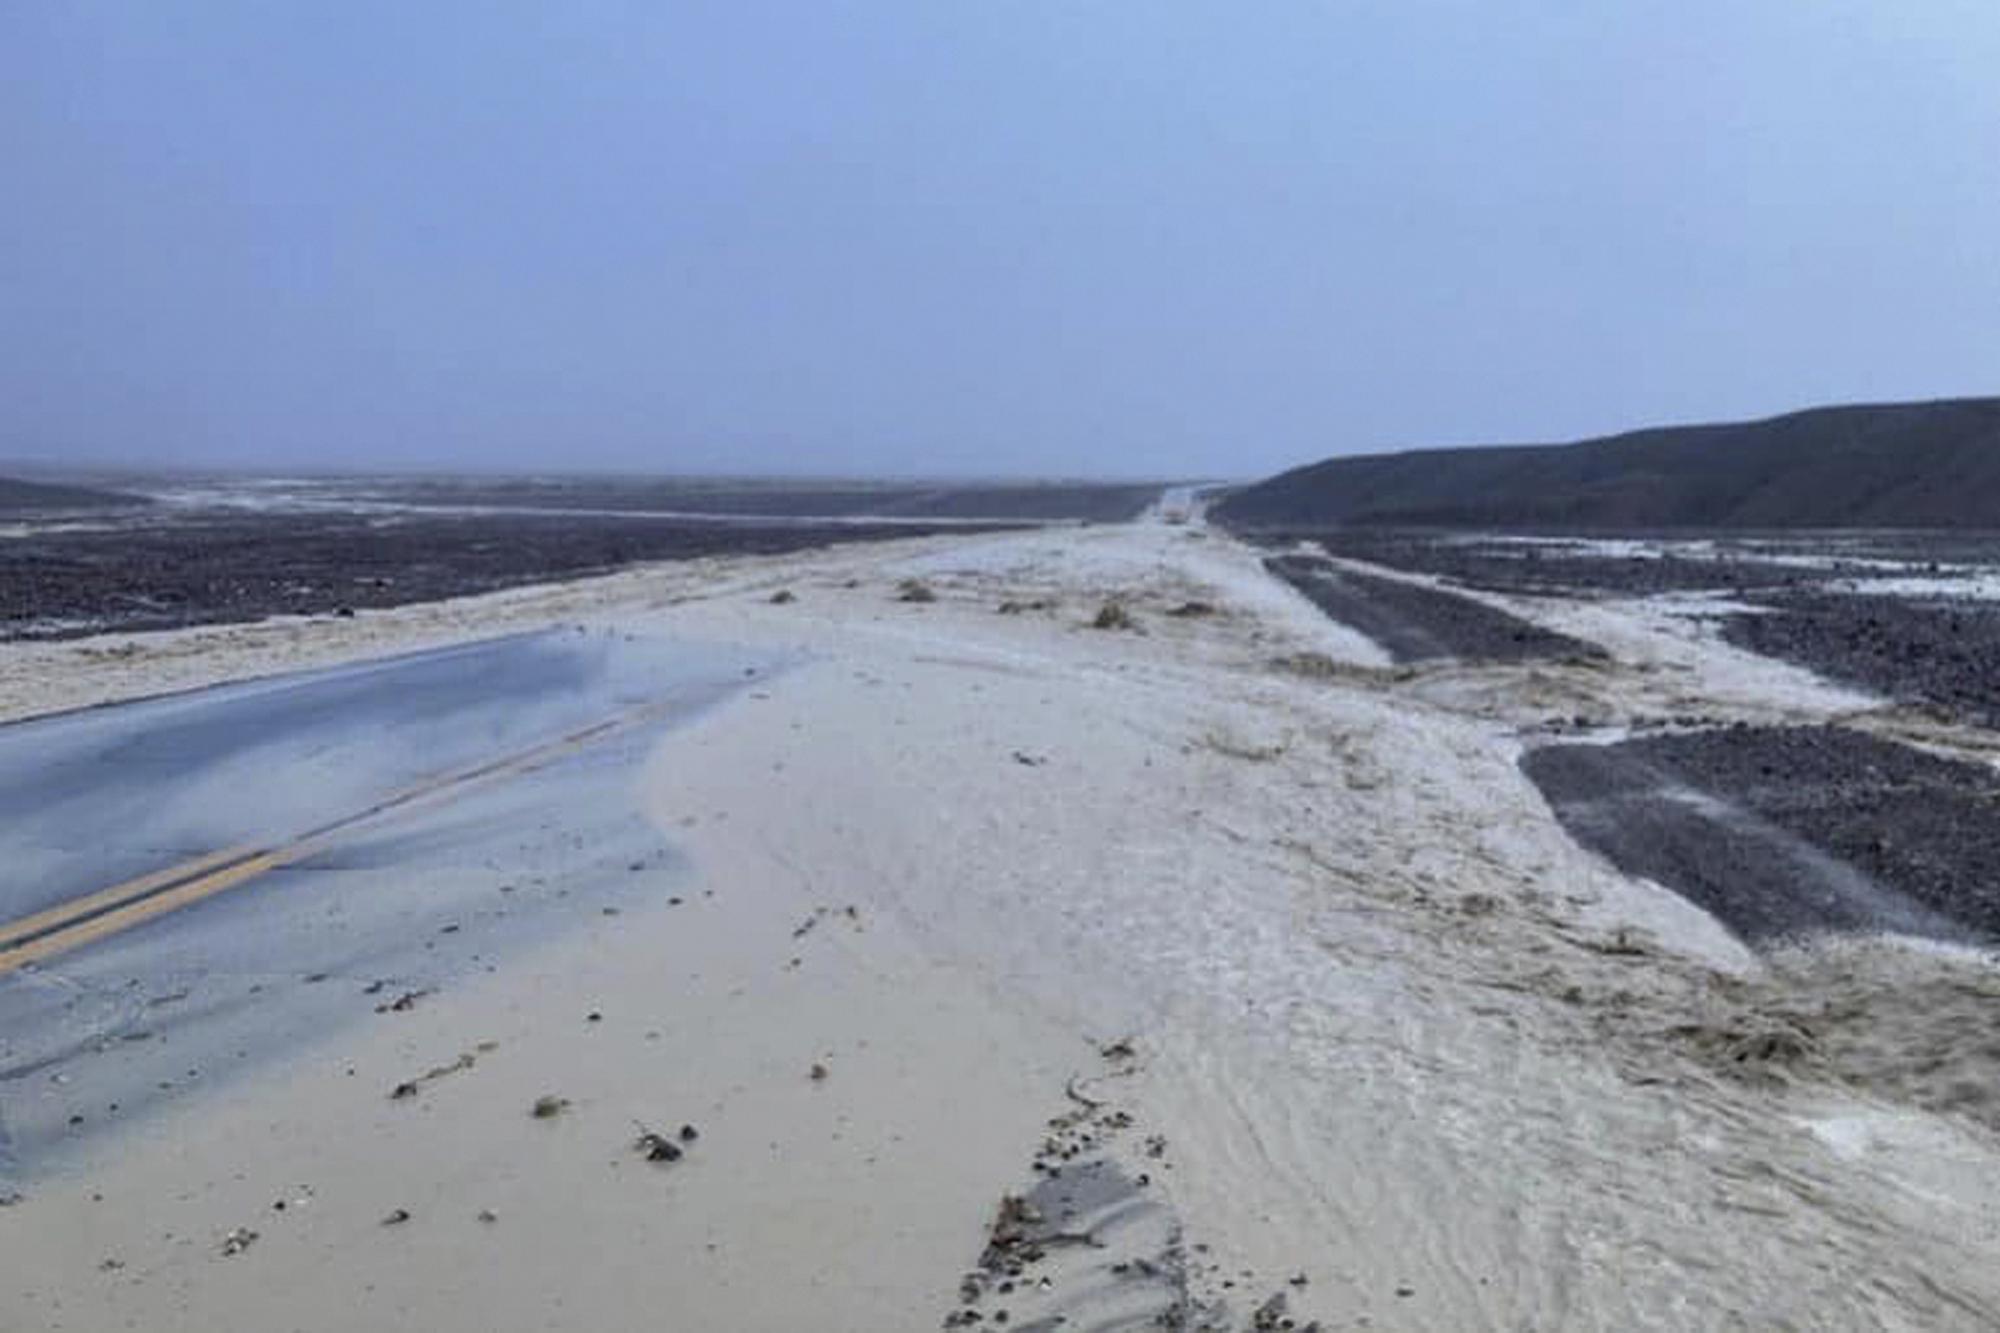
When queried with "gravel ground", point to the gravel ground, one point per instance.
{"points": [[236, 567], [1419, 624], [1943, 653], [1788, 832]]}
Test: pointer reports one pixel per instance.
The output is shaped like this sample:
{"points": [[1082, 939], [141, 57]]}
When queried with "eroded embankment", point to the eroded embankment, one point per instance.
{"points": [[1785, 833]]}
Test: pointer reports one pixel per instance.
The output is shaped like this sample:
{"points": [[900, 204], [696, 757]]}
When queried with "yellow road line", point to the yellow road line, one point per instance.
{"points": [[103, 898], [110, 923], [107, 911]]}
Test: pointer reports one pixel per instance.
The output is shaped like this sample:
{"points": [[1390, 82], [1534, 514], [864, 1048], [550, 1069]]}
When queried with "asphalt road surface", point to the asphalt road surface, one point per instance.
{"points": [[190, 882]]}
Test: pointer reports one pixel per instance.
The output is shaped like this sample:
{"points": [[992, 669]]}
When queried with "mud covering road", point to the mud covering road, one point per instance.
{"points": [[1416, 624], [1790, 832], [1559, 567]]}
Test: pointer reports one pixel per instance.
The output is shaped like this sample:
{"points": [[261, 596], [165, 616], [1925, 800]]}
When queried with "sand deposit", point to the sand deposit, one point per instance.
{"points": [[1380, 1037]]}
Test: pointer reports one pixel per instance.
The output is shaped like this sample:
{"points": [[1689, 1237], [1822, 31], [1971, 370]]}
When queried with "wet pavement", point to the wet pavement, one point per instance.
{"points": [[408, 821]]}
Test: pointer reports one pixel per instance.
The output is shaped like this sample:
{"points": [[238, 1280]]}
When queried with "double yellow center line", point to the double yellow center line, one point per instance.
{"points": [[94, 916]]}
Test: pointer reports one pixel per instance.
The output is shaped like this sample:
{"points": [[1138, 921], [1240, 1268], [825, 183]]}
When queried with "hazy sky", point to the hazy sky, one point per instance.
{"points": [[976, 236]]}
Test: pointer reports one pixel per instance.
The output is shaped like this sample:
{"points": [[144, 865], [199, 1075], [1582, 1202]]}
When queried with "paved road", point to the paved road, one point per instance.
{"points": [[190, 882]]}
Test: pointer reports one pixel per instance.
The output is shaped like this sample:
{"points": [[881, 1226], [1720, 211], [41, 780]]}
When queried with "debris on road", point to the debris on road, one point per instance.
{"points": [[410, 1087], [655, 1146]]}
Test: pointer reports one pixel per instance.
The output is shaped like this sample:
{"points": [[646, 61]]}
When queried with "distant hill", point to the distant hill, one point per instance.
{"points": [[20, 496], [1914, 465]]}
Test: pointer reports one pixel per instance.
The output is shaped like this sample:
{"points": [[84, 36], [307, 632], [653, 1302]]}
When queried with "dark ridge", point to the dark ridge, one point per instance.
{"points": [[1893, 465], [18, 496], [1784, 833]]}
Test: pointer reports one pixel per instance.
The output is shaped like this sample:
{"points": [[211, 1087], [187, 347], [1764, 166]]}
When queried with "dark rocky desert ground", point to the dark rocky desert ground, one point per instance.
{"points": [[147, 553]]}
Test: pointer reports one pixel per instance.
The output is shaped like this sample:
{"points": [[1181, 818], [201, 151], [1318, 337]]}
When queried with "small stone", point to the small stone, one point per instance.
{"points": [[657, 1147], [396, 1217], [548, 1106]]}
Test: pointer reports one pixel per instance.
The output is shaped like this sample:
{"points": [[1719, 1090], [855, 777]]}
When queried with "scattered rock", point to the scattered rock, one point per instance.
{"points": [[689, 1134], [914, 590], [817, 1073], [396, 1217], [1113, 615], [1188, 610], [783, 597], [488, 1216], [548, 1106], [656, 1147], [238, 1240], [1271, 1314], [403, 1003]]}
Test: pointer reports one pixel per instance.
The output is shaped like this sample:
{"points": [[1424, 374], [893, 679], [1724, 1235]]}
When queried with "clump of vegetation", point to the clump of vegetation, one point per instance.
{"points": [[1113, 615], [914, 590], [1317, 666]]}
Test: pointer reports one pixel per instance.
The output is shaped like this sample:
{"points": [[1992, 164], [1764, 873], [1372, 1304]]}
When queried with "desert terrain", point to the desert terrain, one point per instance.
{"points": [[1074, 927]]}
